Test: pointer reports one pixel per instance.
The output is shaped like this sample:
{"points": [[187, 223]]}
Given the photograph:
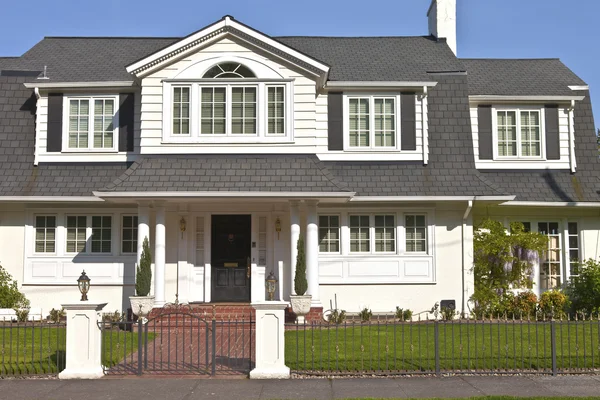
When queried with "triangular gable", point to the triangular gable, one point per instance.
{"points": [[215, 31]]}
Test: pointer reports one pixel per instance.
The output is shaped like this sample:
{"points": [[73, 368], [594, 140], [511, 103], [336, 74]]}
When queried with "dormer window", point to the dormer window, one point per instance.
{"points": [[229, 103], [518, 133], [91, 123]]}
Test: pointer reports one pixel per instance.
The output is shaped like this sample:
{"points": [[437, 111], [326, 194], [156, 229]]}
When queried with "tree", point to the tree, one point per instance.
{"points": [[10, 296], [300, 283], [503, 260], [584, 288], [143, 274]]}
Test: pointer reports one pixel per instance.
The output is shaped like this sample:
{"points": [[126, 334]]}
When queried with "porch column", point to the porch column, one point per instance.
{"points": [[312, 252], [159, 257], [143, 228], [294, 236]]}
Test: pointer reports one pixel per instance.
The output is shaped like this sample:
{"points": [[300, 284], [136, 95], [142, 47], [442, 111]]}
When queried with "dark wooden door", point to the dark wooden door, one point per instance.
{"points": [[230, 257]]}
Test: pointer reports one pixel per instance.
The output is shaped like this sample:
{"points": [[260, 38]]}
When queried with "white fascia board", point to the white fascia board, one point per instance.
{"points": [[69, 85], [524, 98], [176, 47], [590, 204], [215, 194], [376, 84], [50, 199], [431, 198], [579, 87]]}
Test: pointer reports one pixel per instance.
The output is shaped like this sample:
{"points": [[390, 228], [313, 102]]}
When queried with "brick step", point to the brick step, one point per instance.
{"points": [[220, 312]]}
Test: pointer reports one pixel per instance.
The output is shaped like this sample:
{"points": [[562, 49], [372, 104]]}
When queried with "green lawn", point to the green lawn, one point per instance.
{"points": [[41, 349], [474, 346], [491, 398]]}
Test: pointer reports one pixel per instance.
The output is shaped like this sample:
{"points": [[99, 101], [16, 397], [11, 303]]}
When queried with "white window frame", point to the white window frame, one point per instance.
{"points": [[90, 147], [372, 97], [196, 85], [88, 234], [427, 228], [371, 216], [339, 228], [121, 228], [35, 227], [517, 110]]}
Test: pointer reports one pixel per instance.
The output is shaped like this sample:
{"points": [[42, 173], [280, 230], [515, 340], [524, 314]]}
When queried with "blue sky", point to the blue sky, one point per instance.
{"points": [[486, 28]]}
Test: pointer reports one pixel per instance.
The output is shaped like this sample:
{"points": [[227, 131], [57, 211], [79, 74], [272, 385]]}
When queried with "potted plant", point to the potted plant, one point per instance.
{"points": [[300, 301], [142, 303]]}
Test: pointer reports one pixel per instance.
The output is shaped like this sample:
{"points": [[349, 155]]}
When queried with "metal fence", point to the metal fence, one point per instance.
{"points": [[178, 342], [498, 346], [32, 348]]}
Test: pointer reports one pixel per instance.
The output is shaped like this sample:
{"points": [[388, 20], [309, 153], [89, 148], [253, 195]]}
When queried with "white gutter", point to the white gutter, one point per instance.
{"points": [[69, 85], [431, 198], [49, 199], [425, 119], [590, 204], [464, 227], [380, 84], [572, 160], [216, 194], [36, 91], [486, 97], [579, 87]]}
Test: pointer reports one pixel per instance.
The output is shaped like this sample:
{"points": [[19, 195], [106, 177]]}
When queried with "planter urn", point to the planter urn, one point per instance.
{"points": [[301, 306], [141, 306]]}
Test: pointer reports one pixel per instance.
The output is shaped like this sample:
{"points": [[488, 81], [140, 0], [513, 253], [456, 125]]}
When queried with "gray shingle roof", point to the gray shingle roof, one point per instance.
{"points": [[228, 173], [527, 77], [17, 138]]}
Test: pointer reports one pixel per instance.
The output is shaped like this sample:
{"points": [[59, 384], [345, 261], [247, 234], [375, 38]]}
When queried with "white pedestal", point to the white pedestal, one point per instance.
{"points": [[270, 343], [84, 341]]}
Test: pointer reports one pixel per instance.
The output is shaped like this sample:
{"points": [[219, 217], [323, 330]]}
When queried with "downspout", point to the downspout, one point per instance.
{"points": [[572, 160], [36, 91], [425, 125], [464, 227]]}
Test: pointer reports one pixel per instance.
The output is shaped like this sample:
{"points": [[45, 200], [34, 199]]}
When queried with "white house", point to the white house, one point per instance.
{"points": [[225, 146]]}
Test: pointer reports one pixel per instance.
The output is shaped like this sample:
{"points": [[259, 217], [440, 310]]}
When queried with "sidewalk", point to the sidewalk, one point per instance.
{"points": [[238, 389]]}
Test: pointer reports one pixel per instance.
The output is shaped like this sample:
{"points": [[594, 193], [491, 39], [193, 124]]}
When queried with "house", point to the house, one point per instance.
{"points": [[227, 145]]}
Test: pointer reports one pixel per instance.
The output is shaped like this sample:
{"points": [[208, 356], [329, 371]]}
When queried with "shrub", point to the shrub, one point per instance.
{"points": [[10, 296], [448, 313], [113, 317], [524, 304], [584, 290], [22, 314], [553, 303], [365, 315], [300, 283], [57, 315], [336, 316], [143, 276], [403, 314]]}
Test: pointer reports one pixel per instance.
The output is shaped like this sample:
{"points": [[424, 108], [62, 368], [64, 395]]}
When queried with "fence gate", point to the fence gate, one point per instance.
{"points": [[178, 341]]}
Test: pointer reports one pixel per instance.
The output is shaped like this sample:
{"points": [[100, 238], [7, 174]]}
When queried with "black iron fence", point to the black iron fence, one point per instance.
{"points": [[178, 342], [32, 348], [466, 346]]}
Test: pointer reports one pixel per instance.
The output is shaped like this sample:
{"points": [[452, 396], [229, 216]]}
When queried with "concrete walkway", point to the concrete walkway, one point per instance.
{"points": [[241, 389]]}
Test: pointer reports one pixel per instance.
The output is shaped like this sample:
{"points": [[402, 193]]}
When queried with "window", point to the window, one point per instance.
{"points": [[181, 111], [573, 249], [243, 110], [416, 234], [372, 122], [276, 110], [229, 70], [101, 234], [76, 233], [129, 233], [360, 238], [550, 262], [329, 234], [91, 123], [518, 133], [385, 233], [45, 234]]}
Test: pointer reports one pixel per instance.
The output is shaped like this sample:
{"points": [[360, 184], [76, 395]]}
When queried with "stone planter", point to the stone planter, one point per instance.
{"points": [[300, 306], [141, 305]]}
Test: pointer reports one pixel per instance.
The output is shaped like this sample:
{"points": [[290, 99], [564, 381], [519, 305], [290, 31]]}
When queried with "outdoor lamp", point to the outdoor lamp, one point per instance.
{"points": [[182, 226], [278, 226], [271, 284], [84, 285]]}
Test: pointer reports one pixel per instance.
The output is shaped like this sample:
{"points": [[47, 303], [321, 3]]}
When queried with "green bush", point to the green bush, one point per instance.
{"points": [[10, 296], [113, 317], [365, 315], [300, 283], [403, 314], [553, 303], [448, 313], [524, 304], [57, 315], [336, 316], [584, 290], [143, 276], [22, 314]]}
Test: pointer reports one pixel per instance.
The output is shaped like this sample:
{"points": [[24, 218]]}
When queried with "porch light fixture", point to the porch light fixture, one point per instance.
{"points": [[278, 227], [182, 224], [271, 284], [84, 285]]}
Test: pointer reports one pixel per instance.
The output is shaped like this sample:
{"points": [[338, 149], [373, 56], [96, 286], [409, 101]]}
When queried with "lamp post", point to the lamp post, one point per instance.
{"points": [[271, 284], [84, 285]]}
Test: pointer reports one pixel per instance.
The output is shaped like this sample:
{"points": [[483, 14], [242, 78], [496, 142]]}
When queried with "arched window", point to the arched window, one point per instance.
{"points": [[229, 70]]}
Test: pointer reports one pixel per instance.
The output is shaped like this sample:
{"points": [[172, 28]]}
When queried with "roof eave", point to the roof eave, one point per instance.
{"points": [[378, 84], [486, 97], [76, 85]]}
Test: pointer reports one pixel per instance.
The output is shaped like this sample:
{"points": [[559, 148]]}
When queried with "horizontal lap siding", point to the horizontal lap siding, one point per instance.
{"points": [[310, 110]]}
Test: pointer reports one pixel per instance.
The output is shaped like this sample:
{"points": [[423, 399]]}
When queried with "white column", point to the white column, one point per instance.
{"points": [[159, 257], [294, 236], [270, 343], [84, 341], [143, 228], [312, 252]]}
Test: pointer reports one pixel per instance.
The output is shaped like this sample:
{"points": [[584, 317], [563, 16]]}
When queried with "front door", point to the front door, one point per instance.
{"points": [[230, 257]]}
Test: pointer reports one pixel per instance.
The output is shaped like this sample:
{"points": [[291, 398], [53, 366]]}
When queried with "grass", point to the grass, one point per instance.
{"points": [[490, 398], [37, 349], [472, 346]]}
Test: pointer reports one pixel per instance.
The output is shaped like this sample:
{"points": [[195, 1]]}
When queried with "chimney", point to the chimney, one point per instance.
{"points": [[442, 21]]}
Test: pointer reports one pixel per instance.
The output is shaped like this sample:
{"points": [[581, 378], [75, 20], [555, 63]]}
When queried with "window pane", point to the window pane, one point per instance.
{"points": [[359, 122], [385, 134], [76, 233], [329, 234], [181, 110], [359, 233], [101, 234], [416, 233], [275, 110], [213, 114], [129, 231], [243, 105], [78, 123]]}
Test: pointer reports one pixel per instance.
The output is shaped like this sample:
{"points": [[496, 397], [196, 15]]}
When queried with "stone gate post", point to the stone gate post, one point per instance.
{"points": [[270, 342]]}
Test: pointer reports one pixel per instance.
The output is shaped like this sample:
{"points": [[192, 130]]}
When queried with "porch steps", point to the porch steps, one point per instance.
{"points": [[218, 311]]}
